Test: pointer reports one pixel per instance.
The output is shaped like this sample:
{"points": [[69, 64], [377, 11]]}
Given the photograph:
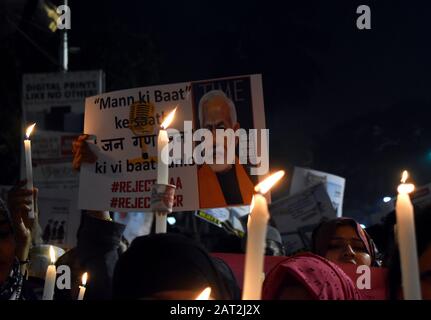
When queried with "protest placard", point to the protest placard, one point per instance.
{"points": [[58, 183], [296, 216], [52, 160], [55, 102], [303, 178], [59, 217], [123, 126]]}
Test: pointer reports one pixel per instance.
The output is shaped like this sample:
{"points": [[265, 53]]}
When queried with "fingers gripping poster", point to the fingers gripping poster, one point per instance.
{"points": [[123, 128]]}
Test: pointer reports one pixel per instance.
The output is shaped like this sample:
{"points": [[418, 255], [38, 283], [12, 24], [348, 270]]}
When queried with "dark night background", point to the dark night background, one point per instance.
{"points": [[351, 102]]}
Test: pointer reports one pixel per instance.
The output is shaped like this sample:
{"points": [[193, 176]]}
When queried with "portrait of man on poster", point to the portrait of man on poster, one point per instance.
{"points": [[221, 183]]}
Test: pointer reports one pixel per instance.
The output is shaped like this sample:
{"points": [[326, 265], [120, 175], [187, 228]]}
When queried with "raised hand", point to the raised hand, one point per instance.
{"points": [[82, 152]]}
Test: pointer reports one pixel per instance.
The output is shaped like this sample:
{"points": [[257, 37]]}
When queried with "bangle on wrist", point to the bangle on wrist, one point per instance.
{"points": [[22, 262]]}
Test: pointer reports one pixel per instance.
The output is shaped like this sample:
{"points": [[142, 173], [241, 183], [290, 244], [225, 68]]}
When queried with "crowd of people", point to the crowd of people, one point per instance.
{"points": [[174, 266]]}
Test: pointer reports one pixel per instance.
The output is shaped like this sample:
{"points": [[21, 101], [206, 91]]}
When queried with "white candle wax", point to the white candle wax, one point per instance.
{"points": [[161, 222], [29, 173], [254, 259], [48, 289], [82, 287], [162, 174], [81, 293], [162, 157], [407, 246]]}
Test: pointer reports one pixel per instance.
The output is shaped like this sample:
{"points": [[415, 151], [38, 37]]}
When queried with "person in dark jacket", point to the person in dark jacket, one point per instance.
{"points": [[96, 252]]}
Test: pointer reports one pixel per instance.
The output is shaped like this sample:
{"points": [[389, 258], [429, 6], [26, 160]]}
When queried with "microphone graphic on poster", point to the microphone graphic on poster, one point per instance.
{"points": [[140, 112]]}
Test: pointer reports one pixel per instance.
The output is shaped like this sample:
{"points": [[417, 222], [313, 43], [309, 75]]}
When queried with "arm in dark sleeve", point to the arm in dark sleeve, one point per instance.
{"points": [[97, 251]]}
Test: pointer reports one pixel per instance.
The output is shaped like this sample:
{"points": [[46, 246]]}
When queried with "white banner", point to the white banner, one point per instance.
{"points": [[55, 102], [58, 183], [126, 148]]}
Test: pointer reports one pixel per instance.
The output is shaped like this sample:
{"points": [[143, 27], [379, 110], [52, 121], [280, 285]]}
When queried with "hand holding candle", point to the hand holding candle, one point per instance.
{"points": [[256, 236], [163, 166], [82, 287], [407, 241], [50, 277], [28, 166]]}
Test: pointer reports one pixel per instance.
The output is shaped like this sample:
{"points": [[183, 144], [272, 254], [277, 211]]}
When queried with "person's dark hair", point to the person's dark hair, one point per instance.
{"points": [[228, 277], [423, 241], [165, 262]]}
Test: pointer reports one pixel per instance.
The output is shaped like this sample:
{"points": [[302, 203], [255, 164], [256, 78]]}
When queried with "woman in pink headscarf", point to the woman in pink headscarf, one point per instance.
{"points": [[308, 277], [343, 240]]}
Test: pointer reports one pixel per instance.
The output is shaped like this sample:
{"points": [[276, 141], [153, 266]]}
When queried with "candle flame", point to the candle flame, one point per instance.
{"points": [[52, 254], [405, 187], [205, 294], [29, 130], [84, 278], [168, 119], [264, 186], [404, 176]]}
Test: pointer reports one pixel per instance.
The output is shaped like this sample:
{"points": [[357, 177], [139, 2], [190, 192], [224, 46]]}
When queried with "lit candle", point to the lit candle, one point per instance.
{"points": [[256, 239], [407, 241], [28, 166], [205, 294], [82, 287], [163, 166], [51, 272]]}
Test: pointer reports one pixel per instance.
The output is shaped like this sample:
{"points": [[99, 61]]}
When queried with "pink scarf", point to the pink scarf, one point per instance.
{"points": [[322, 279]]}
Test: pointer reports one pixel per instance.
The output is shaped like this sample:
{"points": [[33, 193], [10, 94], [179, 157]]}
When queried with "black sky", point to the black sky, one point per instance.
{"points": [[327, 85]]}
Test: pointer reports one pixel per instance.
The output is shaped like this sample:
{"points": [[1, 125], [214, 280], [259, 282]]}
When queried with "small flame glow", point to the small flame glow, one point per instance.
{"points": [[52, 254], [405, 187], [205, 294], [29, 130], [404, 176], [84, 278], [168, 119], [264, 186]]}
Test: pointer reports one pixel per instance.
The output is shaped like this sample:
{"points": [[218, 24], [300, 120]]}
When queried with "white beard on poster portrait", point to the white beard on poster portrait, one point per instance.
{"points": [[218, 154], [137, 223], [220, 167]]}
